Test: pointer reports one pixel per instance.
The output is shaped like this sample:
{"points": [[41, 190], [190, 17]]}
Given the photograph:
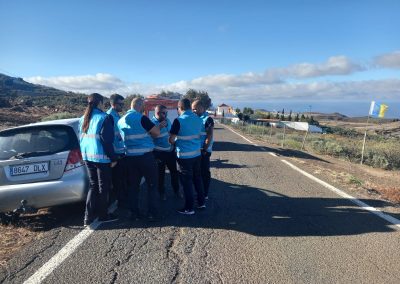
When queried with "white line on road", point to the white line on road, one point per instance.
{"points": [[66, 251], [363, 205], [241, 135]]}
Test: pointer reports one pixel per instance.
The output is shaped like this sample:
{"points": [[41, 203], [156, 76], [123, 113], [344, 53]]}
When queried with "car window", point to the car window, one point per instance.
{"points": [[36, 141]]}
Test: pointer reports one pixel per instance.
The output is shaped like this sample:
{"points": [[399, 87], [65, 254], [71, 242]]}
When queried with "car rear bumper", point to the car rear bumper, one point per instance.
{"points": [[72, 187]]}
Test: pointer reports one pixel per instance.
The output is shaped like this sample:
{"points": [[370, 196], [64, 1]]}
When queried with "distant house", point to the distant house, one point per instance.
{"points": [[224, 110]]}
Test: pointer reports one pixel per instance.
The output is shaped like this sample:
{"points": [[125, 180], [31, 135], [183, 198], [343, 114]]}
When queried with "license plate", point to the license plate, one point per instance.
{"points": [[29, 169]]}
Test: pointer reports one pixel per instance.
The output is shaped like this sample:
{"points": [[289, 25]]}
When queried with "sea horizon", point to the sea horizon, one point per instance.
{"points": [[348, 108]]}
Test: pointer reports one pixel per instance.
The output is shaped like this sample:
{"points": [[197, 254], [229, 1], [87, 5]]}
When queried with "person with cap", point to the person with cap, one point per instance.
{"points": [[207, 140], [185, 134], [96, 143], [164, 151], [137, 131], [119, 172]]}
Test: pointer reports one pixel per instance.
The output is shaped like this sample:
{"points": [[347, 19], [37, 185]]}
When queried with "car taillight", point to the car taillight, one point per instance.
{"points": [[74, 160]]}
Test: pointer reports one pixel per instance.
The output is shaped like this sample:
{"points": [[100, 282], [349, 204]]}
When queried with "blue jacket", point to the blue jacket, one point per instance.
{"points": [[136, 139], [90, 143], [119, 147], [188, 141], [203, 134], [161, 143]]}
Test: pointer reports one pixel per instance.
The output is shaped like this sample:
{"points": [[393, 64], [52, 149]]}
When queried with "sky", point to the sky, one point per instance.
{"points": [[300, 54]]}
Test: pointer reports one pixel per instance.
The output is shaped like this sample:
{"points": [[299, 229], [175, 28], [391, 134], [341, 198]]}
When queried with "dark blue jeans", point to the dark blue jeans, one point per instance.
{"points": [[205, 171], [190, 173], [167, 159], [138, 167], [120, 182], [99, 188]]}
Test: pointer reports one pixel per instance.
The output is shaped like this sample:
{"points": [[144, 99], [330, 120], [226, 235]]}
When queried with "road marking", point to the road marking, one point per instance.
{"points": [[241, 135], [361, 204], [66, 251]]}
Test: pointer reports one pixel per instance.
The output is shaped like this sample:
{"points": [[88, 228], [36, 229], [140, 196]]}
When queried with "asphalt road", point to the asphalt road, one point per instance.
{"points": [[264, 223]]}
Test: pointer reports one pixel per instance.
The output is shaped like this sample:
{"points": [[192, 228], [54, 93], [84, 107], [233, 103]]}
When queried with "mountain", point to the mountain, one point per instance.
{"points": [[12, 86]]}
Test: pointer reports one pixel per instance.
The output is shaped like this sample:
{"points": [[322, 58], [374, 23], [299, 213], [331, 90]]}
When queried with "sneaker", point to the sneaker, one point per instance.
{"points": [[109, 218], [201, 206], [186, 211]]}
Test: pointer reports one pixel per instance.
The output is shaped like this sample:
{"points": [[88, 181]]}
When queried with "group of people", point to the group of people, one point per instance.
{"points": [[120, 151]]}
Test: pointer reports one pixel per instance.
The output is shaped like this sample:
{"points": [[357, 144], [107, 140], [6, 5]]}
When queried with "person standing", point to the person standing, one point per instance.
{"points": [[119, 172], [96, 143], [137, 131], [207, 140], [185, 133], [164, 151]]}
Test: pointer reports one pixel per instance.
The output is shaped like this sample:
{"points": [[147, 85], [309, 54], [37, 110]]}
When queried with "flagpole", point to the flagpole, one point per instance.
{"points": [[365, 136]]}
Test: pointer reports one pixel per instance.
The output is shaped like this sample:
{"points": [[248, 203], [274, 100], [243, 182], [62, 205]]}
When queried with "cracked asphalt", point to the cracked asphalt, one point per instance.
{"points": [[264, 223]]}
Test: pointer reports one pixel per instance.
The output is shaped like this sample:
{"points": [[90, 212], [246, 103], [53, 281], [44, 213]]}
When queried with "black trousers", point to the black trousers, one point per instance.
{"points": [[138, 167], [205, 171], [167, 159], [189, 174], [99, 188], [120, 182]]}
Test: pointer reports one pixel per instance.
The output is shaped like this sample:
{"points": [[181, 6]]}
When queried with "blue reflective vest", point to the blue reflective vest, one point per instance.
{"points": [[188, 141], [136, 139], [118, 143], [161, 143], [90, 144], [203, 134]]}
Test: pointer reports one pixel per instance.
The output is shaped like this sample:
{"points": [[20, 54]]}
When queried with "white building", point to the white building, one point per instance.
{"points": [[225, 110]]}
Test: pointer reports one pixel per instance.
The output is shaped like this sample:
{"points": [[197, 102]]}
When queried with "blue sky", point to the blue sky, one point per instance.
{"points": [[259, 52]]}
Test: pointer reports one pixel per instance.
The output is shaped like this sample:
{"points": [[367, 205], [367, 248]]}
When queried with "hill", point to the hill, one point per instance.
{"points": [[12, 86]]}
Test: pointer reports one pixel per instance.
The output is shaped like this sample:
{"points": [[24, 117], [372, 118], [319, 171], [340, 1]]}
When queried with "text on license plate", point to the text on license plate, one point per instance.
{"points": [[29, 169]]}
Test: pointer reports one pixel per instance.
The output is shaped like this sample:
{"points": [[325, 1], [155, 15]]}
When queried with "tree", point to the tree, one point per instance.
{"points": [[290, 116], [128, 100], [277, 115], [269, 115], [170, 95], [240, 115], [246, 117], [248, 110], [303, 118], [297, 117], [237, 110], [193, 95], [223, 113]]}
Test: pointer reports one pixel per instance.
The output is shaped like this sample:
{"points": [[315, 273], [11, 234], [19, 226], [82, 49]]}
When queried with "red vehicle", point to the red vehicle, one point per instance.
{"points": [[152, 101]]}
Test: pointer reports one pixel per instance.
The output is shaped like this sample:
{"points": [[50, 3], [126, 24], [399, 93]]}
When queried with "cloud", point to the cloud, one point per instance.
{"points": [[388, 60], [269, 85], [337, 65], [100, 83]]}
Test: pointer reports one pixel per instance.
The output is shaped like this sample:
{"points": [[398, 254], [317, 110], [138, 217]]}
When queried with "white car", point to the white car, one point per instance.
{"points": [[41, 165]]}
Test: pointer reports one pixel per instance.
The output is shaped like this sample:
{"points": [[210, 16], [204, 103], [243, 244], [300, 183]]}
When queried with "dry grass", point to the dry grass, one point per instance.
{"points": [[11, 240], [391, 193]]}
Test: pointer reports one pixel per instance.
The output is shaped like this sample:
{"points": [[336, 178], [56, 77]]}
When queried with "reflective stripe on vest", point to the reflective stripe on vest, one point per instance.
{"points": [[161, 142], [118, 144], [90, 144], [186, 154], [203, 132], [136, 139], [188, 139]]}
